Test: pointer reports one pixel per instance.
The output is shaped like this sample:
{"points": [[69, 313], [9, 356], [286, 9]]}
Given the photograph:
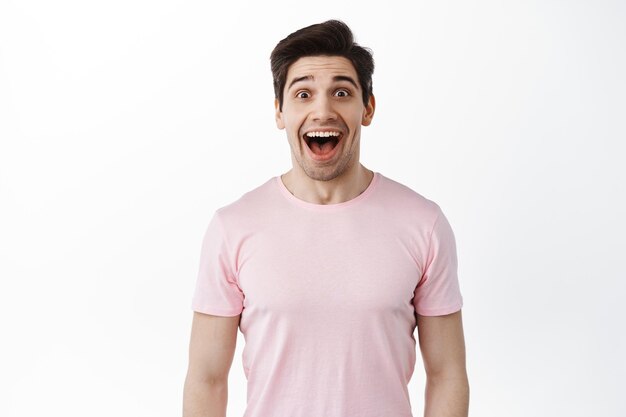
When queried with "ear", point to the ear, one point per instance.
{"points": [[368, 113], [279, 115]]}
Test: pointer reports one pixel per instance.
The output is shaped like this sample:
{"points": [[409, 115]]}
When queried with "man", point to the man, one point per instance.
{"points": [[328, 268]]}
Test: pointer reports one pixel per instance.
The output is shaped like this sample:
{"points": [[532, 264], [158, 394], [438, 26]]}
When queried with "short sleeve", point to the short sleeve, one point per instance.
{"points": [[438, 292], [216, 291]]}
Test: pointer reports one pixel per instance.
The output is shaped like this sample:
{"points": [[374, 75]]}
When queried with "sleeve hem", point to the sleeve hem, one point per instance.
{"points": [[440, 311], [216, 311]]}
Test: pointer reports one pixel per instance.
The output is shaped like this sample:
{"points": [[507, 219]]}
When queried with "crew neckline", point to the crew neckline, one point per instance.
{"points": [[324, 207]]}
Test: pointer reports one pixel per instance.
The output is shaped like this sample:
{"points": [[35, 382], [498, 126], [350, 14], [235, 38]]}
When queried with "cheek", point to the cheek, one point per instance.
{"points": [[293, 134], [293, 126]]}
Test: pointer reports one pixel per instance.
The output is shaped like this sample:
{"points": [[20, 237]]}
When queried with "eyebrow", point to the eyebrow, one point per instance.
{"points": [[335, 78]]}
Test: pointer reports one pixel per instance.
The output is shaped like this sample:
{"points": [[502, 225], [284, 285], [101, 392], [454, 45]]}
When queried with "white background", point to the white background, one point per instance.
{"points": [[125, 124]]}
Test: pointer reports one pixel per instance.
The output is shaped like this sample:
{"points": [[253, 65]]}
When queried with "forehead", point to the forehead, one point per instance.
{"points": [[321, 67]]}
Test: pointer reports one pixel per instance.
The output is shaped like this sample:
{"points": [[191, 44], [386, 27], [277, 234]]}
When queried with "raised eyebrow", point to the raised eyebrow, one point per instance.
{"points": [[346, 78], [299, 79], [335, 78]]}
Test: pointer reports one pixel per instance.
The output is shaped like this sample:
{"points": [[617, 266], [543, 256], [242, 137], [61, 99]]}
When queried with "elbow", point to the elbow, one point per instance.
{"points": [[195, 377], [458, 374]]}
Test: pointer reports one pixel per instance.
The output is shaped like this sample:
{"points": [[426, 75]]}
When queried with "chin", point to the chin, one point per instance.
{"points": [[324, 173]]}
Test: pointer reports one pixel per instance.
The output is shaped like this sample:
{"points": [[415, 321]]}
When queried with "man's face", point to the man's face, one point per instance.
{"points": [[322, 102]]}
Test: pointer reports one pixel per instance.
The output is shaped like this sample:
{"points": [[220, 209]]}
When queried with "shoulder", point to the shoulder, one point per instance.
{"points": [[253, 204], [401, 198]]}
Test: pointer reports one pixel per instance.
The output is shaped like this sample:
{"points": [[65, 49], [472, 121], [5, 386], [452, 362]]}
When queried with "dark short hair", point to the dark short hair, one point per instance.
{"points": [[332, 38]]}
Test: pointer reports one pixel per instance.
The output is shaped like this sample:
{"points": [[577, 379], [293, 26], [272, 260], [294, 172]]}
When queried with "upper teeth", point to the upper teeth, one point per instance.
{"points": [[322, 134]]}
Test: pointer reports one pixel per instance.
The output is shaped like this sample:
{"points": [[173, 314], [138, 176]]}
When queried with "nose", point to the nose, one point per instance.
{"points": [[323, 110]]}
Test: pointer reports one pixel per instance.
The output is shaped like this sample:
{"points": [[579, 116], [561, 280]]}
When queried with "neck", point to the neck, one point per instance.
{"points": [[343, 188]]}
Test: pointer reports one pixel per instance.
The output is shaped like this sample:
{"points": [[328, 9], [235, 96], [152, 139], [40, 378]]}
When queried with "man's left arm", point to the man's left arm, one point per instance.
{"points": [[442, 345]]}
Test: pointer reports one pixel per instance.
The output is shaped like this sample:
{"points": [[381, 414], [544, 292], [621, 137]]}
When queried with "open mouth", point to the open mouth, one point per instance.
{"points": [[322, 143]]}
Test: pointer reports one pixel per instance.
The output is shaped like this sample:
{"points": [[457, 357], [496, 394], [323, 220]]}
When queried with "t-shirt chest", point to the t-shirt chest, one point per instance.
{"points": [[330, 265]]}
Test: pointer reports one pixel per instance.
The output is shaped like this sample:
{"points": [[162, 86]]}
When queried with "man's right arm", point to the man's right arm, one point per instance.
{"points": [[211, 351]]}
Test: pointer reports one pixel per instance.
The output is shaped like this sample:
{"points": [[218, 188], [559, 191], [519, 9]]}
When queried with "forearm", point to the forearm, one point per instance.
{"points": [[447, 397], [201, 399]]}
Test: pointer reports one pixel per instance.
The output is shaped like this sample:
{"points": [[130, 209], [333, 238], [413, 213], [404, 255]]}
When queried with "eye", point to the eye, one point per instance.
{"points": [[342, 93], [302, 94]]}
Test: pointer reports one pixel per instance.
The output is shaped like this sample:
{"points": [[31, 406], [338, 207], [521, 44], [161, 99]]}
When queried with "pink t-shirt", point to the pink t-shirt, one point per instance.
{"points": [[328, 295]]}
